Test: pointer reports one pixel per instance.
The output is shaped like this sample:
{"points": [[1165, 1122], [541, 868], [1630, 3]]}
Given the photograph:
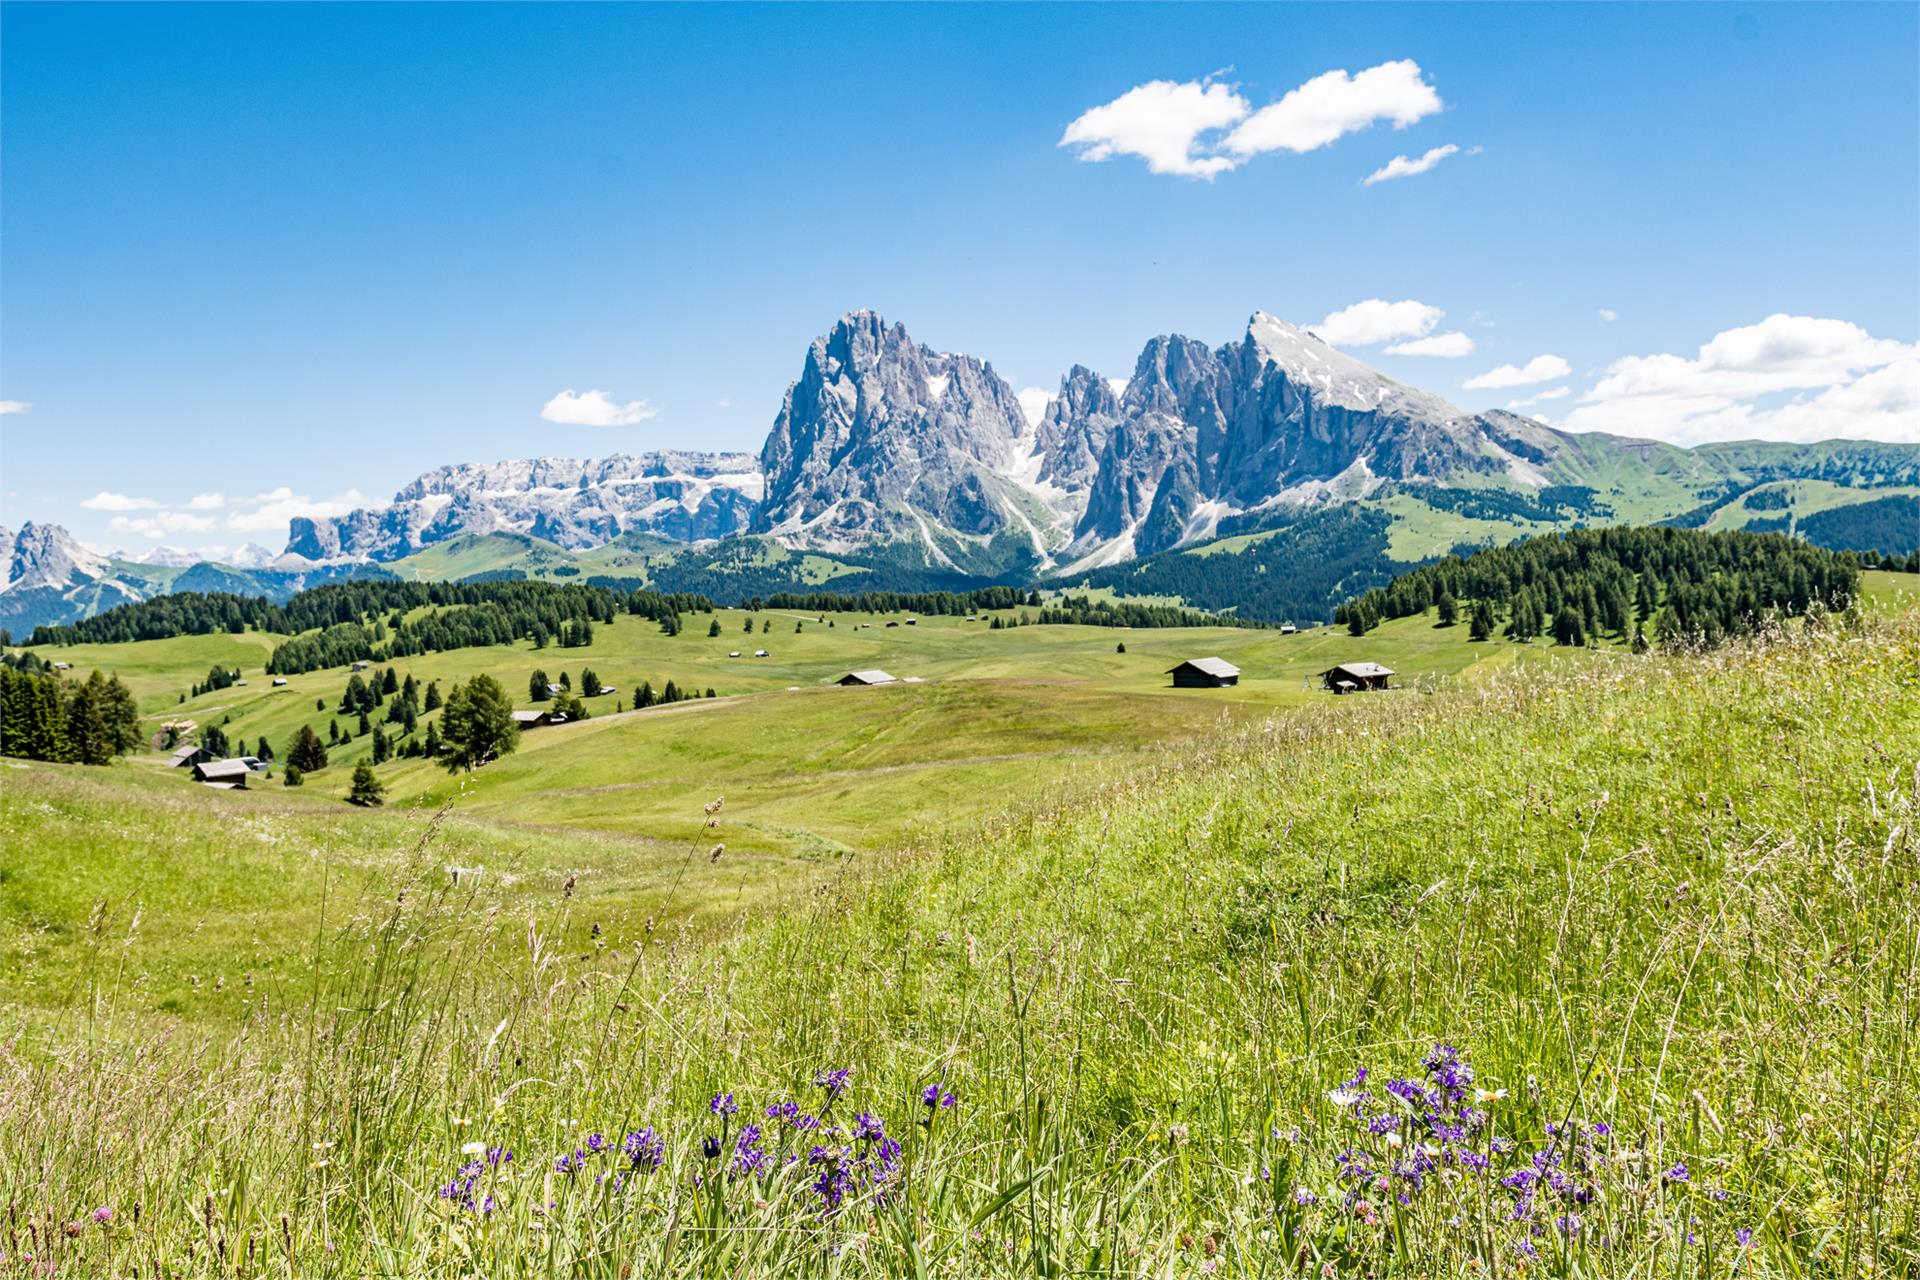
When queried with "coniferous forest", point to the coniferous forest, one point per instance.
{"points": [[1687, 585]]}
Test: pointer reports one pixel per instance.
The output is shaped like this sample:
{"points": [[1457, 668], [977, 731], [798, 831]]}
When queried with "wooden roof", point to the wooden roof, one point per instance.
{"points": [[872, 676], [1209, 666], [1361, 670]]}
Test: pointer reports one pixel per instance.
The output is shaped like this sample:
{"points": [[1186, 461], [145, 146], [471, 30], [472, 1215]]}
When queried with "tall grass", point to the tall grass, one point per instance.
{"points": [[1666, 910]]}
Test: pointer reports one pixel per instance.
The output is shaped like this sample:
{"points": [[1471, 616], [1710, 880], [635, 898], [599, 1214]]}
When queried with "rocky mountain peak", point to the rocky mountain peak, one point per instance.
{"points": [[43, 556]]}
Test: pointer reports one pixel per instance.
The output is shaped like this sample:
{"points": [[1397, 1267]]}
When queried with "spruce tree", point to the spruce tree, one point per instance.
{"points": [[366, 789], [307, 753], [713, 628], [433, 696], [292, 776], [1483, 620], [382, 749], [479, 724]]}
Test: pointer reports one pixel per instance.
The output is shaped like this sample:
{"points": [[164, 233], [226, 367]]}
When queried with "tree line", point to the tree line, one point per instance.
{"points": [[1586, 583], [524, 607], [46, 716]]}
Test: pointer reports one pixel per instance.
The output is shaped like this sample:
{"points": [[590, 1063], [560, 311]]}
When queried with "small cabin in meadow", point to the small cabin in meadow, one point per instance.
{"points": [[532, 719], [1205, 673], [186, 754], [874, 676], [231, 773], [1352, 677]]}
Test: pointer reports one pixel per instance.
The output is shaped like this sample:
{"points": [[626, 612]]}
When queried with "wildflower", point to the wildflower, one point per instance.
{"points": [[570, 1164], [1484, 1096], [1304, 1198], [1678, 1173], [833, 1081], [933, 1097], [1743, 1237], [644, 1149], [103, 1215], [710, 1147], [473, 1148], [722, 1105]]}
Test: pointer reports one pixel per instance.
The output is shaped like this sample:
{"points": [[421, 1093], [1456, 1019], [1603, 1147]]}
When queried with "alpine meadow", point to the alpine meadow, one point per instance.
{"points": [[1419, 783]]}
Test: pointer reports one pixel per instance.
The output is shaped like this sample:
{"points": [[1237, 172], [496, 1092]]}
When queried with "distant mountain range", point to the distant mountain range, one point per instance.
{"points": [[1304, 473]]}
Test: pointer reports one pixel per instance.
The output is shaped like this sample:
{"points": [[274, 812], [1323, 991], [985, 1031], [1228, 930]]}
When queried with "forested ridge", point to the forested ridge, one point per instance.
{"points": [[1576, 586], [366, 621]]}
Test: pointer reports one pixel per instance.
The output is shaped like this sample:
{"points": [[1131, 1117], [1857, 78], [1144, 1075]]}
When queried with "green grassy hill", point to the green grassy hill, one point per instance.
{"points": [[1667, 900]]}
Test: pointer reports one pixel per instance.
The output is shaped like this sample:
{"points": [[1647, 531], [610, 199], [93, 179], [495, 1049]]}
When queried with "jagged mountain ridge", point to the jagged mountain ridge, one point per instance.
{"points": [[689, 497], [920, 465], [885, 444]]}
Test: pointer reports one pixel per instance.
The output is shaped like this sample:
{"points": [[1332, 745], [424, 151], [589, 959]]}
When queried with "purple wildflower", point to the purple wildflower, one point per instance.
{"points": [[722, 1105]]}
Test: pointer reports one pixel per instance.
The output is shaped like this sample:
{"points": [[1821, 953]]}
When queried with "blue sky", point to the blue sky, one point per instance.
{"points": [[276, 257]]}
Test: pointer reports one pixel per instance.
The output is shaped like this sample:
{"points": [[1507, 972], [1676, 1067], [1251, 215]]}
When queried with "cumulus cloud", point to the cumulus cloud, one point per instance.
{"points": [[1403, 167], [1365, 324], [161, 525], [272, 510], [206, 502], [1553, 393], [1446, 346], [1203, 128], [1537, 370], [1785, 378], [1609, 315], [1160, 122], [596, 409], [1033, 403], [105, 501], [1334, 104], [13, 406]]}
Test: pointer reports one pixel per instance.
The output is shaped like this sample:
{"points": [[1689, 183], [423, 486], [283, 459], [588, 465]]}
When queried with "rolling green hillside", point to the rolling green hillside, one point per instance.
{"points": [[1670, 899]]}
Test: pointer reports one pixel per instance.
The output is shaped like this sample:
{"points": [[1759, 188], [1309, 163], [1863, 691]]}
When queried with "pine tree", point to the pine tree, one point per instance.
{"points": [[333, 732], [479, 724], [589, 683], [389, 683], [713, 628], [293, 776], [366, 789], [265, 750], [566, 683], [748, 625], [307, 754], [431, 748], [537, 686], [644, 698], [382, 749], [366, 726], [1568, 628], [1121, 647], [433, 696], [1449, 610]]}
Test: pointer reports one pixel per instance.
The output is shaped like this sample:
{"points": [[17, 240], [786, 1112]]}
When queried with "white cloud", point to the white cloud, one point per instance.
{"points": [[105, 501], [13, 406], [1446, 346], [1537, 370], [1609, 315], [1160, 122], [1786, 378], [1034, 402], [596, 409], [206, 502], [1554, 393], [1331, 105], [1374, 321], [1402, 167], [1177, 126], [724, 402], [160, 525], [271, 511]]}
